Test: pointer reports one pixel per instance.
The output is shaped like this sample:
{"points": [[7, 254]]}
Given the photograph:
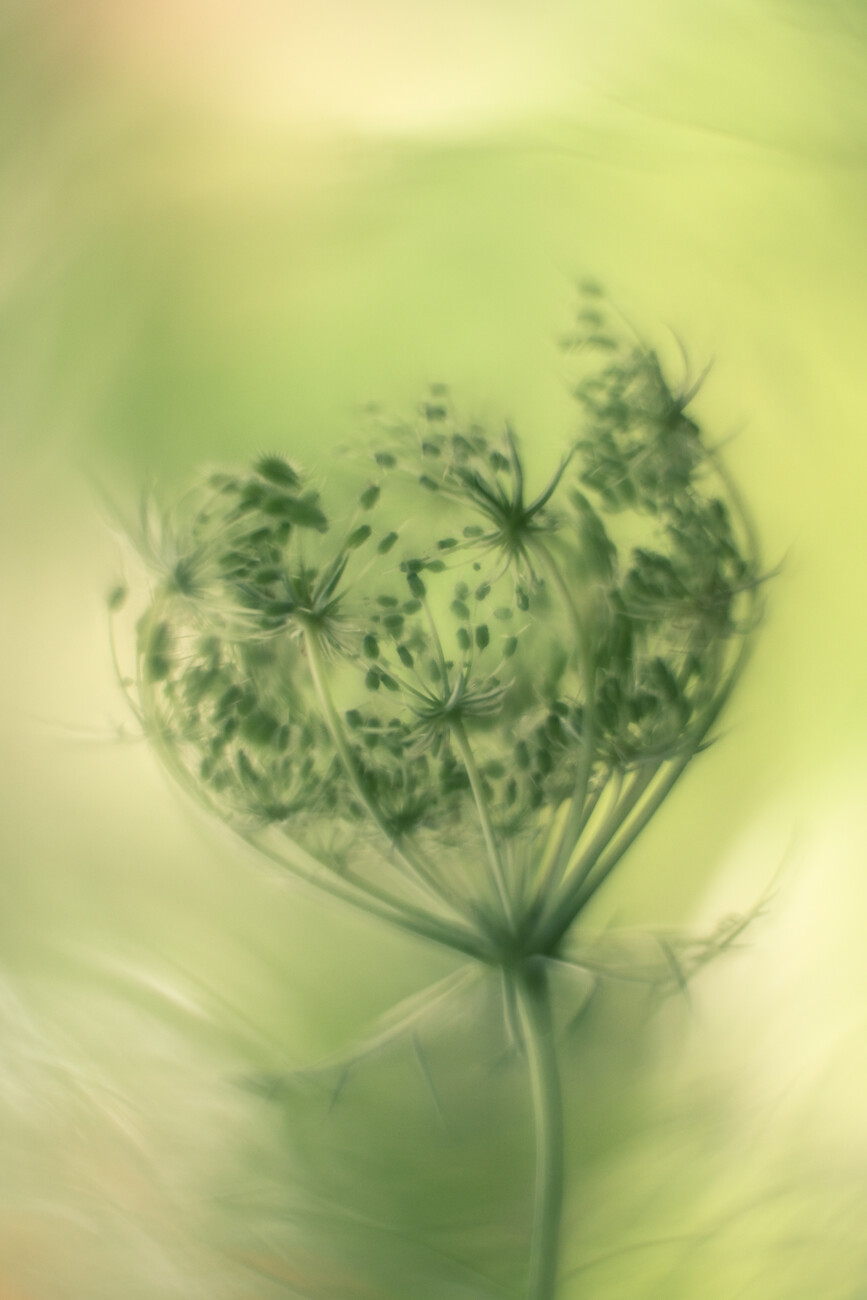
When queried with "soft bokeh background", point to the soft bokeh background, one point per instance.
{"points": [[223, 227]]}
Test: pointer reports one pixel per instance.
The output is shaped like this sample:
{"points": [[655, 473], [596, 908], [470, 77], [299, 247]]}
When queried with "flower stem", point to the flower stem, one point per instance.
{"points": [[534, 1013], [368, 898], [417, 870], [495, 862], [575, 819], [563, 903], [567, 909]]}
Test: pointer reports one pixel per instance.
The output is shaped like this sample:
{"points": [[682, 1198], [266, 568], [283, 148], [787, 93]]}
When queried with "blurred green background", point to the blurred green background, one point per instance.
{"points": [[223, 228]]}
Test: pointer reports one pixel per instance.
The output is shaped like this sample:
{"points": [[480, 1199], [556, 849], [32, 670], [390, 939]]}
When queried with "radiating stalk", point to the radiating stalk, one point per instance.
{"points": [[495, 861], [534, 1013], [368, 898], [576, 817], [562, 908], [417, 870], [554, 932]]}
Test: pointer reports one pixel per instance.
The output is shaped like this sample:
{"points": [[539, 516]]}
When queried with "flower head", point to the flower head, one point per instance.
{"points": [[440, 714]]}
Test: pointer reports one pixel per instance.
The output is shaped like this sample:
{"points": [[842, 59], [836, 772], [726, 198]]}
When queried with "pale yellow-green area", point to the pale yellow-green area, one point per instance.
{"points": [[223, 228]]}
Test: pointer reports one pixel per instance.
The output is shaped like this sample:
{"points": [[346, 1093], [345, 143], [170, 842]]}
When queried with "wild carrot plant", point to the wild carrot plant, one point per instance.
{"points": [[459, 705]]}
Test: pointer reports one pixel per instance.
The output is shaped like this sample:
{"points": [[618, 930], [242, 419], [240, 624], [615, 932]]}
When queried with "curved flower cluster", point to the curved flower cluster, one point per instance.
{"points": [[461, 702]]}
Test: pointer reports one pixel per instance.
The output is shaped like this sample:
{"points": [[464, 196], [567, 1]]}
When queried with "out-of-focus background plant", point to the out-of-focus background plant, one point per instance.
{"points": [[222, 230]]}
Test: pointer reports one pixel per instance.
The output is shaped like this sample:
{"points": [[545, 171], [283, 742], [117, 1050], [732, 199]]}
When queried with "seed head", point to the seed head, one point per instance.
{"points": [[400, 686]]}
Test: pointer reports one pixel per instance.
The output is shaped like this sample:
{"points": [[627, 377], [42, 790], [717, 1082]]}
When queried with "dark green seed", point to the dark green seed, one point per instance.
{"points": [[264, 577], [427, 482], [246, 769], [246, 704], [303, 511], [358, 537], [234, 560], [411, 606], [385, 459], [277, 471], [463, 638], [157, 668], [371, 681], [460, 610], [510, 645], [503, 612], [416, 585], [230, 697], [369, 496], [386, 544], [260, 727], [370, 647], [554, 726], [483, 590], [483, 636], [157, 662], [116, 598], [446, 543], [405, 656]]}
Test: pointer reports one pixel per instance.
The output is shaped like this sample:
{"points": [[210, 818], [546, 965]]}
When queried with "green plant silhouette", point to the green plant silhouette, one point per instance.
{"points": [[459, 705]]}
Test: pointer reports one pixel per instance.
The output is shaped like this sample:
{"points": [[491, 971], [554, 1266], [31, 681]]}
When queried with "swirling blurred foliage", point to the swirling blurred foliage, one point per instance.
{"points": [[221, 230]]}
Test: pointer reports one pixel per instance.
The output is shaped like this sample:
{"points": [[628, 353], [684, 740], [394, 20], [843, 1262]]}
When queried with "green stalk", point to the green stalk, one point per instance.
{"points": [[495, 863], [462, 744], [369, 899], [564, 904], [311, 871], [418, 871], [566, 912], [606, 864], [459, 735], [533, 1001], [576, 817], [286, 853]]}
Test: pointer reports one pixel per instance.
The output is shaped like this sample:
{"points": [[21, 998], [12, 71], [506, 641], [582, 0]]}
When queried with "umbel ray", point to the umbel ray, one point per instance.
{"points": [[462, 724]]}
